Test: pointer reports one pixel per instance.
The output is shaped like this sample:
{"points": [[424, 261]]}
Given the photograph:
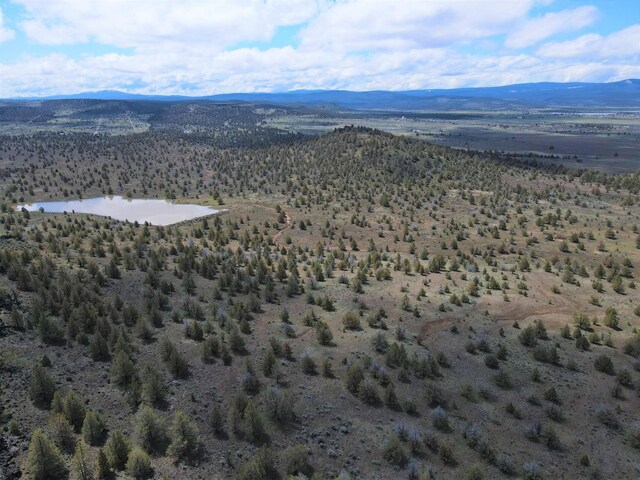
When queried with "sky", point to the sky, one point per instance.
{"points": [[204, 47]]}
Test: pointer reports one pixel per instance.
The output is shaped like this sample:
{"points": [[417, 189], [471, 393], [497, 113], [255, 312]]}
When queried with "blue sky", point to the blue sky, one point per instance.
{"points": [[200, 47]]}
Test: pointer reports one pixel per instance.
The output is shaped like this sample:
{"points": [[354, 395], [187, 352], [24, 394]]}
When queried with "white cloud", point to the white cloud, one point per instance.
{"points": [[154, 24], [620, 44], [392, 25], [537, 29], [5, 33], [191, 47]]}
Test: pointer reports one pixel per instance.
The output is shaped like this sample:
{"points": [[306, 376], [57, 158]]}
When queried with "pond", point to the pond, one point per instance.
{"points": [[156, 212]]}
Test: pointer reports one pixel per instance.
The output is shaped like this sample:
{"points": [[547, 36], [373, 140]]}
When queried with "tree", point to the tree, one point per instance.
{"points": [[74, 411], [185, 438], [151, 430], [44, 461], [139, 464], [153, 389], [93, 428], [103, 469], [99, 348], [323, 333], [82, 464], [61, 432], [41, 387], [216, 421], [254, 424], [117, 450], [611, 318], [122, 369]]}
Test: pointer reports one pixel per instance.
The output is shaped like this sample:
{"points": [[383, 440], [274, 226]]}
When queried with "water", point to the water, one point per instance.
{"points": [[156, 212]]}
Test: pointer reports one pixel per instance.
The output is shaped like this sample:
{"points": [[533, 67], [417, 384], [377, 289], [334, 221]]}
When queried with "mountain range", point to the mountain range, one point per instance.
{"points": [[621, 94]]}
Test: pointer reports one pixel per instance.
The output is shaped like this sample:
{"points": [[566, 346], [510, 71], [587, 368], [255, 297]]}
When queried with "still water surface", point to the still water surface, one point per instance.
{"points": [[156, 212]]}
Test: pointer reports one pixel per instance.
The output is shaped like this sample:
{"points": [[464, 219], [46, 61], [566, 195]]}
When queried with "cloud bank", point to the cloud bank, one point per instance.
{"points": [[203, 47]]}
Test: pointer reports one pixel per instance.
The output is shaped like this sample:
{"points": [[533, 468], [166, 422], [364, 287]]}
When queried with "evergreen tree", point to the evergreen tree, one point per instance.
{"points": [[185, 437], [139, 464], [82, 463], [122, 370], [117, 450], [93, 428], [151, 431], [44, 461], [41, 387]]}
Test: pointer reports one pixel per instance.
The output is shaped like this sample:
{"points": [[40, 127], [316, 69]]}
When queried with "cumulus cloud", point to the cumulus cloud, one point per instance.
{"points": [[392, 25], [199, 47], [150, 25], [623, 43], [5, 33], [549, 24]]}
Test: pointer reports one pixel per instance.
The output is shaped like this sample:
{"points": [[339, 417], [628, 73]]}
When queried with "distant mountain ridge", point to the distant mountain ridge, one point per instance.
{"points": [[622, 94]]}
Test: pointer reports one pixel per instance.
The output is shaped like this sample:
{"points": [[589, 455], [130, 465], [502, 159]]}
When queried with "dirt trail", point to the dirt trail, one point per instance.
{"points": [[287, 218], [520, 309]]}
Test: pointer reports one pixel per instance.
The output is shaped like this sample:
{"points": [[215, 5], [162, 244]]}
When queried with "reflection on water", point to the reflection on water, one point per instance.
{"points": [[156, 212]]}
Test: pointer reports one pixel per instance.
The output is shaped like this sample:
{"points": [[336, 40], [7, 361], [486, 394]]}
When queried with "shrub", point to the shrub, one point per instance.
{"points": [[607, 417], [253, 423], [439, 419], [604, 364], [351, 321], [279, 406], [355, 375], [528, 337], [394, 452], [260, 467], [308, 365], [546, 354], [632, 346], [446, 455], [550, 437], [474, 472], [368, 392], [296, 461], [491, 361], [634, 435], [503, 380]]}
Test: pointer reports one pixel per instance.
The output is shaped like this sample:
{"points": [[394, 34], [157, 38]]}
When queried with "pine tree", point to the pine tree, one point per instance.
{"points": [[93, 428], [185, 437], [117, 450], [41, 387], [74, 411], [99, 348], [44, 461], [154, 390], [139, 463], [82, 463], [122, 370], [151, 431], [61, 432], [103, 470]]}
